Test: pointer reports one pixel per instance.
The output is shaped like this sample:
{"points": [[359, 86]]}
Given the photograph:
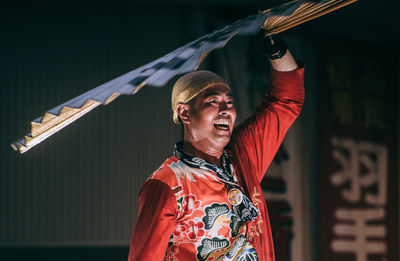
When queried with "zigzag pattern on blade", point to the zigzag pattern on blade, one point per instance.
{"points": [[182, 60]]}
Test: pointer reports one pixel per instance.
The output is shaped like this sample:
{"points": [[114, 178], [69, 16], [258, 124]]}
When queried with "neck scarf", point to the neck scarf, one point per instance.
{"points": [[242, 206]]}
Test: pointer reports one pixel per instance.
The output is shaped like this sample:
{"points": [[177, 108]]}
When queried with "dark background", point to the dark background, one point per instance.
{"points": [[74, 197]]}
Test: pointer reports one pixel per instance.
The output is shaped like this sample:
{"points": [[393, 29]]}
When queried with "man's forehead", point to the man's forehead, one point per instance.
{"points": [[217, 90]]}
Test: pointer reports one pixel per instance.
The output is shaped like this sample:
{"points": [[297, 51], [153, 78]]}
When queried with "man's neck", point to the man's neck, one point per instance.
{"points": [[213, 156]]}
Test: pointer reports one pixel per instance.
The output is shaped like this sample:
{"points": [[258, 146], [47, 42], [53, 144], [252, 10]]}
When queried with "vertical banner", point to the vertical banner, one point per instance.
{"points": [[358, 181], [280, 210]]}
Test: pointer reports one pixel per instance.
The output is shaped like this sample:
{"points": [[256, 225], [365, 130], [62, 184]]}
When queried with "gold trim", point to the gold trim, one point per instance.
{"points": [[55, 123], [305, 12], [112, 97]]}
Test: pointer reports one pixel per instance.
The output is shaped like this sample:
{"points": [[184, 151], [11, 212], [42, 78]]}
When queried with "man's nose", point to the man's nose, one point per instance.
{"points": [[224, 108]]}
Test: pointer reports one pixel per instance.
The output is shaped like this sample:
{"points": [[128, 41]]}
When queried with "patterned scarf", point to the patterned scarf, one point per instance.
{"points": [[242, 206]]}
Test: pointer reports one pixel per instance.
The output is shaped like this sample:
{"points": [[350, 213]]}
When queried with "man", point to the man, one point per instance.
{"points": [[205, 202]]}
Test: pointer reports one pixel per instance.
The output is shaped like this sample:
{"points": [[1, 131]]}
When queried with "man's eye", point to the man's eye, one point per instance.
{"points": [[213, 101], [230, 102]]}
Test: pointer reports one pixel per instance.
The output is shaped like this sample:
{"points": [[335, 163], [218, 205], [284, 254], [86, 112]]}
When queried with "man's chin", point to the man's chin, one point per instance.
{"points": [[223, 138]]}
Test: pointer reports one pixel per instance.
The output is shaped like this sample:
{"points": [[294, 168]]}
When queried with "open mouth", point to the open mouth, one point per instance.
{"points": [[221, 125]]}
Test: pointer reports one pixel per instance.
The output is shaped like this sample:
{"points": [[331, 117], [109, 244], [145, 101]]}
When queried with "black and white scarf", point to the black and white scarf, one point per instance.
{"points": [[242, 206]]}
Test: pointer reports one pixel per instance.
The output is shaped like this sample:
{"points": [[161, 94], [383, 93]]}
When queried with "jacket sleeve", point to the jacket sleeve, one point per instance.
{"points": [[262, 133], [156, 222]]}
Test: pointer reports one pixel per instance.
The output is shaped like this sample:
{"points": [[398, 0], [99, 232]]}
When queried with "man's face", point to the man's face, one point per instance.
{"points": [[212, 116]]}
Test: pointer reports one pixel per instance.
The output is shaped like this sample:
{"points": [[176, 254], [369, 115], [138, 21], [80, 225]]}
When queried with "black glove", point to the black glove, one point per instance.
{"points": [[271, 45]]}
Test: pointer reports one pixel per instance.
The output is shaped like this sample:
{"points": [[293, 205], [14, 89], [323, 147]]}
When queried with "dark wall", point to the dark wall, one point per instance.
{"points": [[81, 185], [79, 188]]}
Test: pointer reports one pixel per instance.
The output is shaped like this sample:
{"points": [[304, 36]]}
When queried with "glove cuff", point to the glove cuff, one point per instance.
{"points": [[271, 45]]}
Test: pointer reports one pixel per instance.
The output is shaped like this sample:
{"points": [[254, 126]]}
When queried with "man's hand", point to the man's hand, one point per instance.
{"points": [[276, 50]]}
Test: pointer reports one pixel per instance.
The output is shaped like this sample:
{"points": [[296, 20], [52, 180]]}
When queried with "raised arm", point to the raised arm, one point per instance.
{"points": [[276, 50], [258, 138], [285, 64]]}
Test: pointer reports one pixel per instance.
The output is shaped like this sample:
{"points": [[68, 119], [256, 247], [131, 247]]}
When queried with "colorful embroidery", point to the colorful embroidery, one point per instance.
{"points": [[196, 229], [248, 256], [210, 245], [171, 252], [255, 228], [242, 250], [183, 171], [189, 230], [234, 226], [245, 210], [180, 229], [236, 246], [189, 204], [256, 197], [207, 226], [213, 212]]}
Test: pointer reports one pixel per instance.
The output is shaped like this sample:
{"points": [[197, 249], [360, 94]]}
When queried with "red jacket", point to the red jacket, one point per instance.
{"points": [[162, 210]]}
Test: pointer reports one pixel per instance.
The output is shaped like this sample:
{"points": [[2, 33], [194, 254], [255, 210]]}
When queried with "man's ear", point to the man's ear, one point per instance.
{"points": [[182, 109]]}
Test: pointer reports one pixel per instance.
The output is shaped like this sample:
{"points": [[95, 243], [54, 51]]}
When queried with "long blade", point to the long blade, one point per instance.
{"points": [[182, 60]]}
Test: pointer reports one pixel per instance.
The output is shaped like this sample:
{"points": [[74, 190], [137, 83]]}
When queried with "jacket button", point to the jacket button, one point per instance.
{"points": [[250, 239]]}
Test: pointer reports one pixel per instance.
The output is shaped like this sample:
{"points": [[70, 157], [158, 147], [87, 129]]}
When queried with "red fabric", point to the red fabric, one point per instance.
{"points": [[156, 221], [257, 140], [203, 214], [252, 148]]}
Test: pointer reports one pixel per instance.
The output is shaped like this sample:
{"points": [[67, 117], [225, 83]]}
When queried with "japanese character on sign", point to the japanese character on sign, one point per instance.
{"points": [[354, 158], [356, 234]]}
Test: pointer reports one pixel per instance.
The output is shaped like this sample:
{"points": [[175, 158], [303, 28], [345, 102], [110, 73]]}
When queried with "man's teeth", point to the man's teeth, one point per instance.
{"points": [[222, 124]]}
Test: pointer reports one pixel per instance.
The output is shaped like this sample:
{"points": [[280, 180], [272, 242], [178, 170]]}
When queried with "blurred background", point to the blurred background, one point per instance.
{"points": [[332, 191]]}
